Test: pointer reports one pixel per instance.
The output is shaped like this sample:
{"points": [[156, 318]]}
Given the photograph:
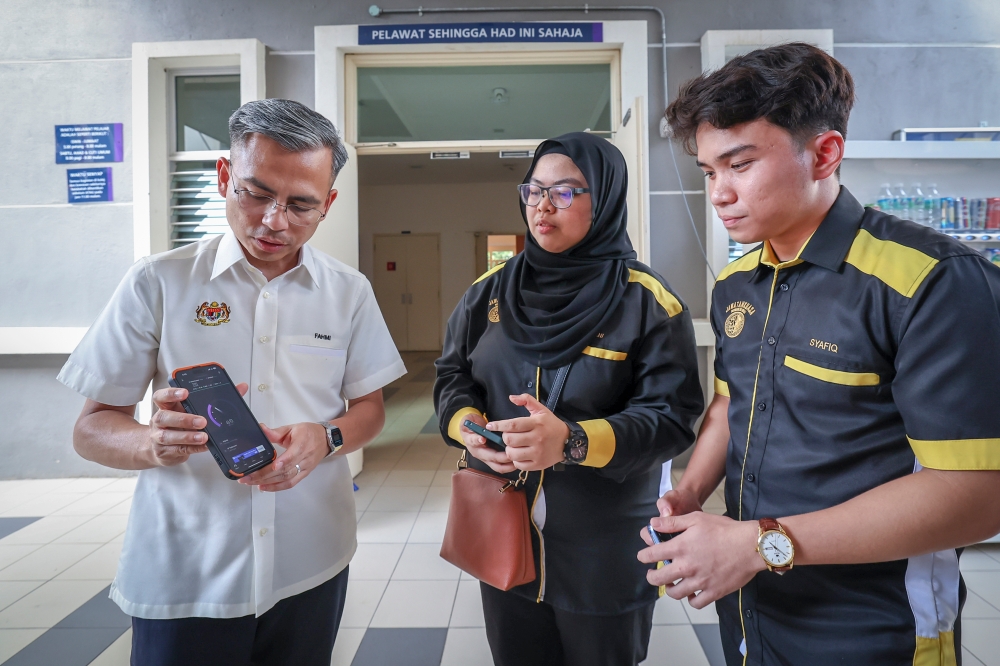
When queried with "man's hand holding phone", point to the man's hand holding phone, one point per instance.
{"points": [[175, 435], [305, 446], [477, 446]]}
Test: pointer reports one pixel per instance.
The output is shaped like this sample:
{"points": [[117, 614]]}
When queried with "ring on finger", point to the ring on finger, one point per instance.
{"points": [[298, 469]]}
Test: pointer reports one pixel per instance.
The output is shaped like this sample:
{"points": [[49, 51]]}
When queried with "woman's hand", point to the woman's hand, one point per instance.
{"points": [[476, 445], [678, 502], [536, 441]]}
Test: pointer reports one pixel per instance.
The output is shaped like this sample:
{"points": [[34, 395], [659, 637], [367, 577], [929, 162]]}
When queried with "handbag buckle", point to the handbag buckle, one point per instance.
{"points": [[522, 478], [462, 462]]}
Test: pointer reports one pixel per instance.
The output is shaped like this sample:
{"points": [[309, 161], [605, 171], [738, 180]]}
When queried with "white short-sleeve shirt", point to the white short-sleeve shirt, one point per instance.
{"points": [[197, 543]]}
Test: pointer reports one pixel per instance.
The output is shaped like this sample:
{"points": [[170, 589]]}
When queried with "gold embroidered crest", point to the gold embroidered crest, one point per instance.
{"points": [[738, 313], [212, 314], [494, 315]]}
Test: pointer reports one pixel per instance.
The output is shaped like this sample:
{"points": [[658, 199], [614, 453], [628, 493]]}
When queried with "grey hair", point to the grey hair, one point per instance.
{"points": [[293, 125]]}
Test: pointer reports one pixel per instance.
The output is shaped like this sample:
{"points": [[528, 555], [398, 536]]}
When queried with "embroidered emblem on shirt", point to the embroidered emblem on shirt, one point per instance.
{"points": [[738, 312], [494, 315], [212, 314]]}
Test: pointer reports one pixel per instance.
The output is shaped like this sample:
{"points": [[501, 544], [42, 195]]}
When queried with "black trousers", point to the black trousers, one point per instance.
{"points": [[524, 633], [297, 631]]}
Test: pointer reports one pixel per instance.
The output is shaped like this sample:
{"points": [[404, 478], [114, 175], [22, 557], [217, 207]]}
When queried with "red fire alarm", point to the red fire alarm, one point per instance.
{"points": [[390, 266]]}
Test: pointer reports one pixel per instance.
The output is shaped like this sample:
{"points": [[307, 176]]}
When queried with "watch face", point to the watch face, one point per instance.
{"points": [[776, 548], [577, 453]]}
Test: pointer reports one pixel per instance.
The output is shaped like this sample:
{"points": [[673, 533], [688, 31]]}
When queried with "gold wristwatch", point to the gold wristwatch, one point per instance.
{"points": [[775, 546]]}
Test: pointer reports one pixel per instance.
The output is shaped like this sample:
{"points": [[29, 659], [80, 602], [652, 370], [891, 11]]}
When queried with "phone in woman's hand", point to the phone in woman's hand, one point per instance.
{"points": [[494, 440]]}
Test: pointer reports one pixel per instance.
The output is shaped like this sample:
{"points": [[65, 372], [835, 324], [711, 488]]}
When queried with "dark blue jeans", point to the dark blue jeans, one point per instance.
{"points": [[298, 631]]}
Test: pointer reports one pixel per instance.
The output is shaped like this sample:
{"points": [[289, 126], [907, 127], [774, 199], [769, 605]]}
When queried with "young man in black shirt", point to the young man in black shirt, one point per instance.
{"points": [[854, 418]]}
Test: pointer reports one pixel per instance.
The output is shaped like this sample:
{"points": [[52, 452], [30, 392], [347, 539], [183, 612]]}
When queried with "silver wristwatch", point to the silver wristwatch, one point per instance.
{"points": [[333, 437]]}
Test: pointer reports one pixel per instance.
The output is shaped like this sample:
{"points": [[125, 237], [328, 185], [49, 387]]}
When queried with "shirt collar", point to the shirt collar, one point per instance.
{"points": [[829, 244], [230, 253]]}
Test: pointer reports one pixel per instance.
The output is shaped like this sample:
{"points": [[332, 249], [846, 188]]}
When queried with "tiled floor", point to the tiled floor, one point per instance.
{"points": [[405, 605]]}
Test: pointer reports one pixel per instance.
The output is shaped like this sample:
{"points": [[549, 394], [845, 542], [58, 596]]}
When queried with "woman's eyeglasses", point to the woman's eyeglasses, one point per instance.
{"points": [[560, 196]]}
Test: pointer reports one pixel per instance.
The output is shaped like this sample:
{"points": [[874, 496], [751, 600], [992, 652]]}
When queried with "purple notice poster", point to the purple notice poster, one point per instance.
{"points": [[89, 185], [89, 143]]}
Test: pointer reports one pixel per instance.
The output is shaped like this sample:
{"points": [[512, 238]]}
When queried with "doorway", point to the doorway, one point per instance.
{"points": [[407, 286]]}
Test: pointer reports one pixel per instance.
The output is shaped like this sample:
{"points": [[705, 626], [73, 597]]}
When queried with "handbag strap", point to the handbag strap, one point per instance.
{"points": [[557, 386]]}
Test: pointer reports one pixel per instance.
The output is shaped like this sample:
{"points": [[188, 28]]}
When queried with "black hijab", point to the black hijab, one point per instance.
{"points": [[553, 305]]}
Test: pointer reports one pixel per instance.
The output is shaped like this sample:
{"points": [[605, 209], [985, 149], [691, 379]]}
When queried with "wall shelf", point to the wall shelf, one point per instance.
{"points": [[922, 150]]}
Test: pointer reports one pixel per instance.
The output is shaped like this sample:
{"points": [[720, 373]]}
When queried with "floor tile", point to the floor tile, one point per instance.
{"points": [[93, 504], [375, 561], [43, 505], [44, 531], [411, 603], [102, 564], [674, 645], [977, 608], [50, 603], [423, 462], [348, 640], [11, 554], [706, 615], [468, 609], [396, 498], [410, 646], [386, 526], [711, 643], [437, 499], [369, 478], [969, 659], [442, 477], [10, 525], [124, 484], [99, 529], [422, 561], [975, 559], [982, 638], [118, 654], [13, 641], [12, 590], [669, 611], [47, 562], [986, 584], [364, 495], [467, 647], [409, 477], [363, 597], [85, 485], [429, 527], [120, 509]]}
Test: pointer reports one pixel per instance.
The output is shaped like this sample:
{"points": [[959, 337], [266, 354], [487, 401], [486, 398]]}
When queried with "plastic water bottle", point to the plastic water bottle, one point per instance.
{"points": [[902, 203], [917, 204], [886, 203], [932, 206]]}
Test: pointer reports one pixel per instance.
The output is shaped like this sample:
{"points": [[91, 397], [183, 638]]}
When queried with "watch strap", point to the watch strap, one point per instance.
{"points": [[771, 525], [576, 446], [334, 440]]}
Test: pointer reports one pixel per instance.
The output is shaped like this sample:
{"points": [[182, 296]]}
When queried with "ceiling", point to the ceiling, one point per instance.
{"points": [[420, 169], [482, 102]]}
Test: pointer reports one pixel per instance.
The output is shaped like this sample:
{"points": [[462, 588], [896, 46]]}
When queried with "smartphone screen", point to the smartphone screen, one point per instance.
{"points": [[231, 424]]}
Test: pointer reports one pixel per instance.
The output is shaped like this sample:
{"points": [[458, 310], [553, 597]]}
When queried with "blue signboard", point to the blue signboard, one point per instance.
{"points": [[89, 143], [89, 185], [460, 33]]}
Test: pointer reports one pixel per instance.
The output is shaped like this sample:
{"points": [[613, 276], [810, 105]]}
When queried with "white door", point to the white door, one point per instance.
{"points": [[407, 283], [630, 138]]}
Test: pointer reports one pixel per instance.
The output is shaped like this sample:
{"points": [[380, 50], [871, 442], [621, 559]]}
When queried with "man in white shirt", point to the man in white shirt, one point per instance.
{"points": [[217, 571]]}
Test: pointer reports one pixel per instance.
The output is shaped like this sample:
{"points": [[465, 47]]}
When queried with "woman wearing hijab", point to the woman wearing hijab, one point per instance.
{"points": [[576, 296]]}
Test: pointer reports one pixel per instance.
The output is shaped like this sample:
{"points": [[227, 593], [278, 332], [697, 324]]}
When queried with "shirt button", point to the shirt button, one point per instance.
{"points": [[529, 384], [771, 340], [783, 287], [268, 295], [751, 477], [263, 387], [263, 531], [748, 613], [263, 338], [761, 406]]}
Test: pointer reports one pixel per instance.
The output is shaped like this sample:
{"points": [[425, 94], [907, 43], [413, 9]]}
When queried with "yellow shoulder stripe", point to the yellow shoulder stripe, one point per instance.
{"points": [[489, 272], [901, 268], [667, 300], [747, 262], [606, 354], [957, 454]]}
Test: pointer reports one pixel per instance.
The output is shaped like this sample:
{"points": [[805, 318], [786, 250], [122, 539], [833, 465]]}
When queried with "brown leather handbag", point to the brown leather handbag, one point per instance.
{"points": [[489, 533]]}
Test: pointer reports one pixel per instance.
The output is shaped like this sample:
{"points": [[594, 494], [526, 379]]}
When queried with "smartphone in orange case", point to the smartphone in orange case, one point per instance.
{"points": [[235, 439]]}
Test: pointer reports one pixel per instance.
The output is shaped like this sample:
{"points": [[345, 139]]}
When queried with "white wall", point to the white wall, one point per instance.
{"points": [[456, 212]]}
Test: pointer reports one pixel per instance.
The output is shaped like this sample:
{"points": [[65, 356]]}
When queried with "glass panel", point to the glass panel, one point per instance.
{"points": [[204, 104], [482, 102], [196, 209]]}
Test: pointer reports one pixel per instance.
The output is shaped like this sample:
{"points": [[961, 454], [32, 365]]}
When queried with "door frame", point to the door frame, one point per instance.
{"points": [[624, 43]]}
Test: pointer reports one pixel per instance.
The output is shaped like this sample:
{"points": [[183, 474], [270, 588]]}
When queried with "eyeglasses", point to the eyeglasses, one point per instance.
{"points": [[255, 203], [560, 196]]}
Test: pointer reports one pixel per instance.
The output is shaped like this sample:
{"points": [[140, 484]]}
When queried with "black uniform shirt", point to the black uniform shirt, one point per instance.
{"points": [[636, 393], [874, 351]]}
